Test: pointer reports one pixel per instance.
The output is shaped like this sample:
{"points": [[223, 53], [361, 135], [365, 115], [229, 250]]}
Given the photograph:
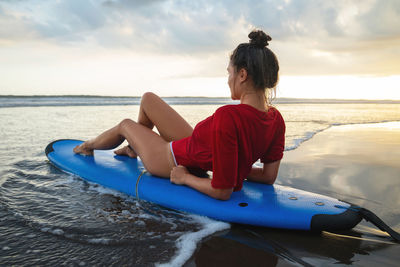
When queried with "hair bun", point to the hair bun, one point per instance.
{"points": [[259, 38]]}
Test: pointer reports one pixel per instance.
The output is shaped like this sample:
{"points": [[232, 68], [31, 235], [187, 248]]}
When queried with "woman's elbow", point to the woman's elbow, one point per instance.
{"points": [[270, 172], [270, 180], [223, 194], [224, 197]]}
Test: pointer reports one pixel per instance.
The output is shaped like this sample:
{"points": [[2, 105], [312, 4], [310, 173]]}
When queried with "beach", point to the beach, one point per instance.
{"points": [[346, 150], [356, 163], [71, 70]]}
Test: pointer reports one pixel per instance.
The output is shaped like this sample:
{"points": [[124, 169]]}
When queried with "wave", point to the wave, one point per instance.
{"points": [[45, 101], [7, 101], [296, 142]]}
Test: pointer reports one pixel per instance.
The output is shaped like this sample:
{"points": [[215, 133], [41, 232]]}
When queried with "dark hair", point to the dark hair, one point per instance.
{"points": [[259, 61]]}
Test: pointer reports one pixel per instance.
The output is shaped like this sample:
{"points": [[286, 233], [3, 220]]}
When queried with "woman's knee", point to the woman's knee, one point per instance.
{"points": [[149, 96], [125, 124]]}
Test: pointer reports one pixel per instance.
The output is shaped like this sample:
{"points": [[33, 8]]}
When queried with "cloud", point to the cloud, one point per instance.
{"points": [[325, 34], [13, 28], [69, 21], [173, 26], [194, 25]]}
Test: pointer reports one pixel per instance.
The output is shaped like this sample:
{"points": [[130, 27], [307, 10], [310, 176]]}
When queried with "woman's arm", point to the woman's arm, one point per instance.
{"points": [[180, 175], [266, 175]]}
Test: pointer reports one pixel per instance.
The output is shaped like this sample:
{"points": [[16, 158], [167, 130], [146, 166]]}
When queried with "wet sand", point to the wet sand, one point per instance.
{"points": [[355, 163]]}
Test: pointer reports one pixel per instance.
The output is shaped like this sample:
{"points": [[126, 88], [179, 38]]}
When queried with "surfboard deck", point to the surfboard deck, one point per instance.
{"points": [[256, 204]]}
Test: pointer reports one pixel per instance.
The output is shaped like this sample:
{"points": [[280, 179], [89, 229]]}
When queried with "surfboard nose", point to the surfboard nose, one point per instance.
{"points": [[49, 148]]}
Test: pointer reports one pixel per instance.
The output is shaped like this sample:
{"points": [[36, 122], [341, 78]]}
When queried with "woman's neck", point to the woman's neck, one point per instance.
{"points": [[255, 99]]}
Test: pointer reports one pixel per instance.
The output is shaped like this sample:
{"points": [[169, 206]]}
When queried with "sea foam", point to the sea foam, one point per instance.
{"points": [[187, 243]]}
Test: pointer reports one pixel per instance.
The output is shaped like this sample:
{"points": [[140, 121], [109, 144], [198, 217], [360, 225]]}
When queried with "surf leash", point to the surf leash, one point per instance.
{"points": [[371, 217], [137, 184]]}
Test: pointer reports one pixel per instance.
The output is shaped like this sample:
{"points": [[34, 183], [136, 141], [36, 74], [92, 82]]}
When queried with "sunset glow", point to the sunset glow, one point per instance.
{"points": [[327, 49]]}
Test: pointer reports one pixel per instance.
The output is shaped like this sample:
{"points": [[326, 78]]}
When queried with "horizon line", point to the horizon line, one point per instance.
{"points": [[209, 97]]}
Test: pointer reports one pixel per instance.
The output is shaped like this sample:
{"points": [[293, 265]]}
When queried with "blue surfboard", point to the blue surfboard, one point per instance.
{"points": [[256, 204]]}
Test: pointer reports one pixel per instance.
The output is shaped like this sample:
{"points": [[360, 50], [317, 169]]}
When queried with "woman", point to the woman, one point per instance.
{"points": [[227, 143]]}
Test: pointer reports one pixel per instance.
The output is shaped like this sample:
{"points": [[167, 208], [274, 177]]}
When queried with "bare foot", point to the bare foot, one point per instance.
{"points": [[126, 151], [83, 150]]}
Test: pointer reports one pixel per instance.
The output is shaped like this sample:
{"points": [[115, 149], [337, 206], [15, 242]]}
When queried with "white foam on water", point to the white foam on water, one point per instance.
{"points": [[187, 243], [45, 229], [68, 179], [104, 190], [127, 213], [140, 223], [103, 241], [58, 232], [296, 142], [146, 216], [52, 231]]}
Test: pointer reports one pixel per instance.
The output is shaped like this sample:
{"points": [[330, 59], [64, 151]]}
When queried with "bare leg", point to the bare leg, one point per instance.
{"points": [[126, 151], [152, 148], [155, 112], [107, 140]]}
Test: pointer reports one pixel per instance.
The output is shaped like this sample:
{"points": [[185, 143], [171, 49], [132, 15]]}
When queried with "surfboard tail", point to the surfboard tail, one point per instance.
{"points": [[342, 221], [349, 219]]}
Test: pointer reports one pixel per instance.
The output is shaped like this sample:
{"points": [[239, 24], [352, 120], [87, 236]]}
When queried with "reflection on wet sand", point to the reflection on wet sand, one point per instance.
{"points": [[231, 249], [356, 163], [291, 247]]}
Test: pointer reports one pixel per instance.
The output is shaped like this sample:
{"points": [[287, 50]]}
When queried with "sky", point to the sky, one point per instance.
{"points": [[343, 49]]}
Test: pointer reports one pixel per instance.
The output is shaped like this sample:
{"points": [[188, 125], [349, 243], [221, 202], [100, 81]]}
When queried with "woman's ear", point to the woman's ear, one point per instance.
{"points": [[242, 75]]}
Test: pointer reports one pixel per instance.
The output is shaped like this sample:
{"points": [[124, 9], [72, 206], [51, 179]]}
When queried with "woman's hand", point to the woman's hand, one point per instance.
{"points": [[178, 174]]}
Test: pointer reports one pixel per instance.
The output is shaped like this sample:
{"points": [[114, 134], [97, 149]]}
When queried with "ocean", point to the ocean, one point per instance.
{"points": [[48, 217]]}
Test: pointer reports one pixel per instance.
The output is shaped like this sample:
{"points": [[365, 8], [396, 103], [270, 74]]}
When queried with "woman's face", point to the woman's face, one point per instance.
{"points": [[231, 80]]}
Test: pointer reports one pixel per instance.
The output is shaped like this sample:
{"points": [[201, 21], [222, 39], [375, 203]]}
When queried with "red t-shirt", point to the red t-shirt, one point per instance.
{"points": [[230, 141]]}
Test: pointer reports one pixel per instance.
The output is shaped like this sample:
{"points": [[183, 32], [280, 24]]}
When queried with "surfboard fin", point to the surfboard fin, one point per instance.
{"points": [[369, 216]]}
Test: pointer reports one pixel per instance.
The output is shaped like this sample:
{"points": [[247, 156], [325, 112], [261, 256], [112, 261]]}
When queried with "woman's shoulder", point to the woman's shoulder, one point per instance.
{"points": [[243, 110], [226, 110], [227, 107], [274, 110], [234, 108]]}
